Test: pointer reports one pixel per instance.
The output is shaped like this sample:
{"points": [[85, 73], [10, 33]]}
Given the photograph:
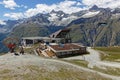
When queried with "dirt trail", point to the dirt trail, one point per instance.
{"points": [[99, 62]]}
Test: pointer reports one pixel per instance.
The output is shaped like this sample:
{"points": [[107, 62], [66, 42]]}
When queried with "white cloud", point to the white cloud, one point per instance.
{"points": [[102, 3], [14, 15], [66, 6], [2, 22], [69, 6], [40, 8], [11, 4]]}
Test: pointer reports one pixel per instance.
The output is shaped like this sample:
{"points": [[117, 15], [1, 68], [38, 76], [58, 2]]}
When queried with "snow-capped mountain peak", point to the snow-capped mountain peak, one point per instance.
{"points": [[94, 8], [90, 14]]}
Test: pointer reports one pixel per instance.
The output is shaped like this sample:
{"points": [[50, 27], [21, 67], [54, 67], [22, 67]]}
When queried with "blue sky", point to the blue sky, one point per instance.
{"points": [[24, 5], [16, 9]]}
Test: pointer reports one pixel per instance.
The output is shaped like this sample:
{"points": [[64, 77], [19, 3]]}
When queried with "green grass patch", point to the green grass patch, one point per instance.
{"points": [[78, 62], [5, 71], [108, 70], [110, 53], [110, 49], [8, 77]]}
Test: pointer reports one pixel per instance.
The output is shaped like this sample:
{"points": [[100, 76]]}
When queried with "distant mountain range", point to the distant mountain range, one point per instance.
{"points": [[102, 28], [96, 26]]}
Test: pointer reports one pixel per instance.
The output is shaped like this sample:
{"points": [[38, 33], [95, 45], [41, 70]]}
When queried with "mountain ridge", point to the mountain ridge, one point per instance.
{"points": [[93, 26]]}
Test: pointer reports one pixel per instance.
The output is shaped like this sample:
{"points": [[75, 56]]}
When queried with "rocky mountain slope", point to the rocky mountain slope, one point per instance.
{"points": [[96, 26], [43, 24], [99, 30]]}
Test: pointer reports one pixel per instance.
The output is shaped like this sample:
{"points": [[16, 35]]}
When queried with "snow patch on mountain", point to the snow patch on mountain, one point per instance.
{"points": [[53, 17], [61, 19], [67, 20], [115, 16], [90, 14]]}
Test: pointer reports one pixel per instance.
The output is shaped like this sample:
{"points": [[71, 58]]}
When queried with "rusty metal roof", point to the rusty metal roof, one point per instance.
{"points": [[65, 47]]}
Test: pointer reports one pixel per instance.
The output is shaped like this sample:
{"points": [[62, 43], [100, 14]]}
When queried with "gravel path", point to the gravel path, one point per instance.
{"points": [[94, 59], [110, 64], [97, 60]]}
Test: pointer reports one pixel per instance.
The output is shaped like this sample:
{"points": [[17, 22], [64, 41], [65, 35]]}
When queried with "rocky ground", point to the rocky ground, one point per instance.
{"points": [[31, 67]]}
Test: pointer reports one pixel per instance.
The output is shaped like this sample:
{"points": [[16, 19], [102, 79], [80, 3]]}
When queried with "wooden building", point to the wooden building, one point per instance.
{"points": [[58, 44], [64, 34]]}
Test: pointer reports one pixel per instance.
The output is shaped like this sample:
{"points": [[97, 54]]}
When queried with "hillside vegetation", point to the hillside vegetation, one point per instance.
{"points": [[110, 53], [100, 30]]}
